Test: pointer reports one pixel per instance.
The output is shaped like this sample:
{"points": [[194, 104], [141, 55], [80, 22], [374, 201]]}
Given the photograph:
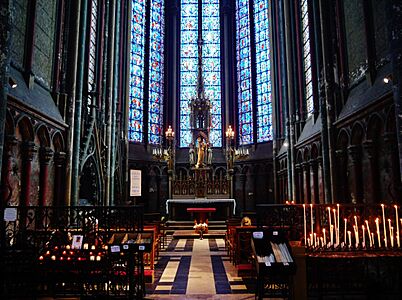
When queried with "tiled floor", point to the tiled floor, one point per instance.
{"points": [[197, 269]]}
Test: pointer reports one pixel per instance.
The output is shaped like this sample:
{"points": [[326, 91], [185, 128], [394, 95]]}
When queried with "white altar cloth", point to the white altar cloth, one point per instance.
{"points": [[200, 201]]}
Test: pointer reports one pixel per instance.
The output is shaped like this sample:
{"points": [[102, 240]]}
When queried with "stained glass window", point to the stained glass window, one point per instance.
{"points": [[156, 71], [211, 64], [245, 99], [263, 71], [307, 59], [136, 96], [92, 50]]}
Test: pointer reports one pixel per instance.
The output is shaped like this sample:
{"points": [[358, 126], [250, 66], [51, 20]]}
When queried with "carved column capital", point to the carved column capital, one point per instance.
{"points": [[46, 155], [369, 148], [29, 149], [59, 158], [10, 142], [354, 153]]}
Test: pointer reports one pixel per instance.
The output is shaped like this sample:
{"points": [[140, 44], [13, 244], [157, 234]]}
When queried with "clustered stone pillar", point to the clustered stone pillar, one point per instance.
{"points": [[59, 166], [313, 180], [306, 181], [342, 179], [46, 155], [371, 186], [354, 152], [10, 143], [29, 150]]}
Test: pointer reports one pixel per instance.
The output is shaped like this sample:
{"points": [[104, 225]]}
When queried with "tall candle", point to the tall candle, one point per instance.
{"points": [[350, 238], [397, 226], [312, 223], [364, 237], [331, 233], [329, 217], [378, 231], [356, 235], [322, 242], [369, 233], [337, 207], [335, 226], [392, 236], [324, 238], [315, 239], [372, 237], [385, 226], [390, 231], [346, 225], [305, 224]]}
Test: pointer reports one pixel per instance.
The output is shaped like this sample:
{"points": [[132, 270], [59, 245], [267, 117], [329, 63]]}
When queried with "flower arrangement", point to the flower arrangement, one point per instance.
{"points": [[200, 228]]}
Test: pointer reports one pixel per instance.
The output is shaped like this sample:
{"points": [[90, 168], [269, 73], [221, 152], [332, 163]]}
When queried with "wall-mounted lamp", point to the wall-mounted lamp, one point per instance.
{"points": [[12, 82], [286, 143], [387, 79]]}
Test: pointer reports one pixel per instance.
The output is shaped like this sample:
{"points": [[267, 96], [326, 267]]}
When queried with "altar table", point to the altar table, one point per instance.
{"points": [[200, 201]]}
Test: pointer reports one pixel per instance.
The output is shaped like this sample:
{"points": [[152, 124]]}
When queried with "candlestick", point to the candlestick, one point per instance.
{"points": [[312, 223], [397, 226], [337, 207], [385, 226], [378, 231], [368, 232], [346, 221], [364, 237], [350, 238], [325, 238], [305, 224]]}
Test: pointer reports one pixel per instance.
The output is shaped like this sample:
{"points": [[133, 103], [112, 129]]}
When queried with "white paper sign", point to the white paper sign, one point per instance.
{"points": [[77, 241], [135, 183], [258, 235], [10, 214]]}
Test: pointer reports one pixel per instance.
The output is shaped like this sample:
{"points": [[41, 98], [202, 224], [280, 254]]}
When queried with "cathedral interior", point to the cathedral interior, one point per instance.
{"points": [[200, 149]]}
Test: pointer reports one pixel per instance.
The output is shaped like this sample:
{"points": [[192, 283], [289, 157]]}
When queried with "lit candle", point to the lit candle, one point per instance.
{"points": [[346, 225], [312, 223], [311, 240], [68, 247], [337, 207], [325, 237], [350, 238], [322, 242], [369, 234], [315, 239], [335, 226], [372, 237], [331, 234], [305, 225], [378, 231], [397, 226], [392, 237], [385, 226], [308, 241], [356, 235], [92, 257], [93, 247], [98, 258], [364, 237], [86, 246], [329, 217]]}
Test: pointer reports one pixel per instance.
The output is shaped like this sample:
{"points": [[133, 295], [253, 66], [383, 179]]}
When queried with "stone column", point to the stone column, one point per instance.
{"points": [[371, 185], [320, 181], [46, 155], [59, 174], [300, 190], [306, 181], [313, 181], [390, 149], [10, 143], [342, 186], [354, 152], [29, 150]]}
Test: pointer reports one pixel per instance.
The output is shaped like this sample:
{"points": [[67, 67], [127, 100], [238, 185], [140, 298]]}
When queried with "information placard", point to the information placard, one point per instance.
{"points": [[135, 183]]}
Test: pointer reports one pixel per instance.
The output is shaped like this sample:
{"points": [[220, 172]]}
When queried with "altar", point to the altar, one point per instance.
{"points": [[225, 208]]}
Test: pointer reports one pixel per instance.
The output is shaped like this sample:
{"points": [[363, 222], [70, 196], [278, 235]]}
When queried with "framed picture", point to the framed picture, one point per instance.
{"points": [[77, 241]]}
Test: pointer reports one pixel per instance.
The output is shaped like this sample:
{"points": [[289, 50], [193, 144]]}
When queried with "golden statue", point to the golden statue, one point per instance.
{"points": [[200, 152]]}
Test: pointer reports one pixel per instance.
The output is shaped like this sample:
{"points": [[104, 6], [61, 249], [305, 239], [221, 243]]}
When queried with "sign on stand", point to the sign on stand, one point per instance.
{"points": [[135, 183]]}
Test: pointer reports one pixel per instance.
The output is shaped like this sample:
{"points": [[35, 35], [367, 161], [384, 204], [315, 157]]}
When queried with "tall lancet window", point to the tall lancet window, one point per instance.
{"points": [[245, 96], [263, 71], [156, 72], [307, 58], [190, 14], [136, 95], [261, 107], [92, 52]]}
